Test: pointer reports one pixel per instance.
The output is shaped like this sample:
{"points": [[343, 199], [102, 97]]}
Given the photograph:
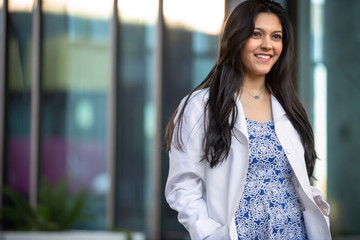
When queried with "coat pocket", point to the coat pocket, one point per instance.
{"points": [[314, 229]]}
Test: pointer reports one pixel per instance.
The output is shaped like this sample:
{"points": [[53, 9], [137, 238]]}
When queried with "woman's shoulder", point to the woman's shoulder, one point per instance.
{"points": [[196, 99], [193, 105]]}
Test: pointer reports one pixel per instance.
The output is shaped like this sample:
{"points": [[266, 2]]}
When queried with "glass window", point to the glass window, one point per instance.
{"points": [[341, 41], [1, 24], [75, 81], [136, 114], [17, 125], [329, 85], [190, 51]]}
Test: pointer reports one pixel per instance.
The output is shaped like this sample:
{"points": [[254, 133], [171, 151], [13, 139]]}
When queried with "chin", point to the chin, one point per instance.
{"points": [[262, 73]]}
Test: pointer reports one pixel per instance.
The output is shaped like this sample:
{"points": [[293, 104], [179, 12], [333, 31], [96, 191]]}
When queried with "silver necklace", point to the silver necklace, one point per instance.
{"points": [[256, 97]]}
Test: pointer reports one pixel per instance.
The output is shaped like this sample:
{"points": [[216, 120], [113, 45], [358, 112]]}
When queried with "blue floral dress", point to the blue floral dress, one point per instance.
{"points": [[270, 207]]}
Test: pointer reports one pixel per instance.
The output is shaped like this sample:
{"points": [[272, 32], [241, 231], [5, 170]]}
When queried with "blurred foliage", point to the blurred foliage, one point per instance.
{"points": [[127, 233], [58, 209]]}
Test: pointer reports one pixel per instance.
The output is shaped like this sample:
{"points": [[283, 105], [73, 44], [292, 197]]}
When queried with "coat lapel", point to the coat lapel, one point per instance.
{"points": [[277, 110], [240, 123], [294, 151]]}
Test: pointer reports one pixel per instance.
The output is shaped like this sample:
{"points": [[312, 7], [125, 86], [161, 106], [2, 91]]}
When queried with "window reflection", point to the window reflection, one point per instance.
{"points": [[134, 191], [90, 9], [201, 15], [17, 125], [75, 81], [20, 5], [75, 77], [330, 87], [138, 11], [1, 23]]}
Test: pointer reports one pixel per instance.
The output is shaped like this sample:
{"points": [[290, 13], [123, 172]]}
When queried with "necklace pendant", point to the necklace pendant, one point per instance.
{"points": [[256, 97]]}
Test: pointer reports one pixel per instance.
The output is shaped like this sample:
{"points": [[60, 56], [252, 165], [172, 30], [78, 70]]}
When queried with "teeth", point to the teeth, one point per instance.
{"points": [[263, 56]]}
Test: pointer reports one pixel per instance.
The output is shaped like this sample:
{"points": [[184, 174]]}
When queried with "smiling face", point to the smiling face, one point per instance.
{"points": [[264, 47]]}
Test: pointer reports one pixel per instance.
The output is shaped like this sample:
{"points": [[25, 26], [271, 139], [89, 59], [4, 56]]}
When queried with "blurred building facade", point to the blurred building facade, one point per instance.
{"points": [[87, 87]]}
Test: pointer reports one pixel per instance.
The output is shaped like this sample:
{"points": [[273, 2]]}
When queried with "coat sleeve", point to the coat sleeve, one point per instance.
{"points": [[185, 189]]}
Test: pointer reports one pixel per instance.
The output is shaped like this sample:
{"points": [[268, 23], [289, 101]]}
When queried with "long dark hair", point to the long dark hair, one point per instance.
{"points": [[226, 79]]}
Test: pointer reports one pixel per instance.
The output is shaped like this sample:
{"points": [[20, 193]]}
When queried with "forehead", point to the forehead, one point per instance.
{"points": [[268, 21]]}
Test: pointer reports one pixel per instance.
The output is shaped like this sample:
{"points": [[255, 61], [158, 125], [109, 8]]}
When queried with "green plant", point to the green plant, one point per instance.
{"points": [[16, 213], [58, 209], [126, 232]]}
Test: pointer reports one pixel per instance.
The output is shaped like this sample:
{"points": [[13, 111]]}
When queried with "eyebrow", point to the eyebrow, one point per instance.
{"points": [[262, 30]]}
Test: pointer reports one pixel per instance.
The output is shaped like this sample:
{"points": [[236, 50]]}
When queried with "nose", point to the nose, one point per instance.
{"points": [[266, 43]]}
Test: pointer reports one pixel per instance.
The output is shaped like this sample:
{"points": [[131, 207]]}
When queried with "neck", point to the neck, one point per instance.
{"points": [[254, 83]]}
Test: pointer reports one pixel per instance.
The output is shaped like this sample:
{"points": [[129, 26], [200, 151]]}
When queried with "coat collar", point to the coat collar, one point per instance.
{"points": [[240, 123], [277, 111]]}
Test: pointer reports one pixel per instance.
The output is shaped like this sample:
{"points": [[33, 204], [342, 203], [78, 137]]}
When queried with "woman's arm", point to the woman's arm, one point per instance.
{"points": [[185, 189]]}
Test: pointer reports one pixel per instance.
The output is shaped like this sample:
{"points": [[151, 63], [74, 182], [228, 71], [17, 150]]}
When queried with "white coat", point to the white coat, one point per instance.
{"points": [[206, 198]]}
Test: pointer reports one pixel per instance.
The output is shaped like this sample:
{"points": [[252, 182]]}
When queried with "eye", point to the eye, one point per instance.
{"points": [[277, 36], [256, 34]]}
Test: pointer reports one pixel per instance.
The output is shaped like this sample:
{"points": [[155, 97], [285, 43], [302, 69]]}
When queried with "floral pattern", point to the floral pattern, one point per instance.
{"points": [[270, 207]]}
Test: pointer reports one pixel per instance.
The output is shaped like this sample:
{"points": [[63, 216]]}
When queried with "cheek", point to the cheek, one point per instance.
{"points": [[279, 49], [244, 56], [249, 47]]}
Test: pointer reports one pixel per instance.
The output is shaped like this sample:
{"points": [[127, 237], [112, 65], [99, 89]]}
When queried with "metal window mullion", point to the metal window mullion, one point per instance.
{"points": [[35, 104], [156, 151], [112, 118], [3, 43]]}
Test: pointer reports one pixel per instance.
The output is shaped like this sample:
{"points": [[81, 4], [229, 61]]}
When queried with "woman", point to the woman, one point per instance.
{"points": [[241, 146]]}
